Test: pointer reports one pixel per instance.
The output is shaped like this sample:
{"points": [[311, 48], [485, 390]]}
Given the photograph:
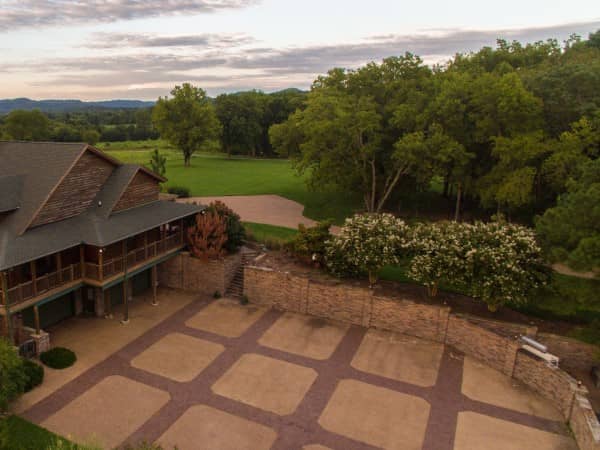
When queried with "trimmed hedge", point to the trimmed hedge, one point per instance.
{"points": [[58, 358], [34, 373], [180, 191]]}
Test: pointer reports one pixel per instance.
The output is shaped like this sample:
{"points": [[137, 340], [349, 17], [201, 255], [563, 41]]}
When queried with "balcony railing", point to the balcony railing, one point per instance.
{"points": [[134, 257], [72, 273], [43, 284]]}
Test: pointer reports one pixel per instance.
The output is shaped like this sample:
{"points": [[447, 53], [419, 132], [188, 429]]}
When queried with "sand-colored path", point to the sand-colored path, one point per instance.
{"points": [[268, 209]]}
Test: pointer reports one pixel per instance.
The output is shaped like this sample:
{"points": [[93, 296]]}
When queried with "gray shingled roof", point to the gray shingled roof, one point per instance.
{"points": [[91, 228], [11, 189], [40, 167]]}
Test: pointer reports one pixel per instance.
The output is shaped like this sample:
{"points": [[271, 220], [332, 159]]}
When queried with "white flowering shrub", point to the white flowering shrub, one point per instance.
{"points": [[496, 262], [439, 255], [506, 263], [366, 244]]}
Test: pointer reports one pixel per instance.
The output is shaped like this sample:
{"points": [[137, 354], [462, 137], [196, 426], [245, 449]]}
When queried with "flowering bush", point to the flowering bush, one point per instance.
{"points": [[439, 254], [366, 244], [506, 263], [496, 262]]}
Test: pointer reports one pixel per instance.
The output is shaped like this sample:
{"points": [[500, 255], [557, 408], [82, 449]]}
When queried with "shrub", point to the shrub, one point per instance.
{"points": [[244, 300], [180, 191], [309, 245], [439, 254], [506, 263], [35, 374], [216, 294], [234, 227], [12, 374], [58, 358], [207, 237], [366, 244]]}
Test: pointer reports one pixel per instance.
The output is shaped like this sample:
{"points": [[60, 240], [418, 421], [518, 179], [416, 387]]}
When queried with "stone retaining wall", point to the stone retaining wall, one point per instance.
{"points": [[496, 343], [192, 274]]}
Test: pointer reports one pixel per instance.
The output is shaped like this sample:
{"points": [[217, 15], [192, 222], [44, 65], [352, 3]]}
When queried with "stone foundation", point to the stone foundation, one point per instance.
{"points": [[192, 274], [493, 342]]}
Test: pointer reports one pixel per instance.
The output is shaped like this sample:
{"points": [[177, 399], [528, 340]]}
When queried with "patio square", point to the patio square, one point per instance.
{"points": [[376, 416], [266, 383], [476, 431], [399, 357], [484, 384], [211, 428], [304, 335], [178, 357], [226, 317], [107, 413]]}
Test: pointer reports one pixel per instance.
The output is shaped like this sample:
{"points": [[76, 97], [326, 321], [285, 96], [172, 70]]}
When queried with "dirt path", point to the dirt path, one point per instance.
{"points": [[267, 209]]}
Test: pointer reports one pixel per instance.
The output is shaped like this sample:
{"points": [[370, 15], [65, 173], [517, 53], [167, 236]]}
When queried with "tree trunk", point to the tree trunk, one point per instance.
{"points": [[457, 208]]}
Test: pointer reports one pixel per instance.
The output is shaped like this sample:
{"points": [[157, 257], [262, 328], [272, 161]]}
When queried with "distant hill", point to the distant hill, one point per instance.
{"points": [[7, 105]]}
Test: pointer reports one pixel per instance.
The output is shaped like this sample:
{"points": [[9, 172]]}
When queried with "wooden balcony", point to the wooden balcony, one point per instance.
{"points": [[30, 292], [116, 266], [43, 285]]}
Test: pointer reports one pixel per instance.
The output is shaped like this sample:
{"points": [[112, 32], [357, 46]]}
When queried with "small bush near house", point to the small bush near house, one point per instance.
{"points": [[58, 358], [244, 300], [234, 227], [217, 294], [35, 374], [180, 191], [208, 235], [12, 374], [309, 245]]}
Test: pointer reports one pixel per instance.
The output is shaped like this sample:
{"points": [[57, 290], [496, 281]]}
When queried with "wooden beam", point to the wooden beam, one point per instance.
{"points": [[145, 245], [33, 270], [82, 260], [101, 264], [3, 289], [59, 267], [36, 317], [7, 316], [154, 281]]}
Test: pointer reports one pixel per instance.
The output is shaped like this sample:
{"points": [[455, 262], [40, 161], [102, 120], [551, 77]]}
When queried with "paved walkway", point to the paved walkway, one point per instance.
{"points": [[268, 209], [223, 376]]}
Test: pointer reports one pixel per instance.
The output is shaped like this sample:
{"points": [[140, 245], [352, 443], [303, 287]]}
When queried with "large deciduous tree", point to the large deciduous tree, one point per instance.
{"points": [[27, 125], [187, 120]]}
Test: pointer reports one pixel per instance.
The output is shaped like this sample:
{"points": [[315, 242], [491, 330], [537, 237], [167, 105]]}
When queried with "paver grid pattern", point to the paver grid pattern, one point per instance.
{"points": [[305, 426]]}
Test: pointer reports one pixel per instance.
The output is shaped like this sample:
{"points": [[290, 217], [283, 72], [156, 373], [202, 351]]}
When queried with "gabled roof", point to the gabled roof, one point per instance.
{"points": [[11, 189], [31, 171]]}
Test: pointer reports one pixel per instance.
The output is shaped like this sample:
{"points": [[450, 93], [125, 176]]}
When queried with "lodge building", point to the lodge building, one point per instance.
{"points": [[79, 232]]}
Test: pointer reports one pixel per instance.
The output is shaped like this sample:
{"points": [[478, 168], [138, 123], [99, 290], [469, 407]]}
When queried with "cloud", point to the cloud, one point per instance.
{"points": [[33, 13], [141, 40], [154, 63]]}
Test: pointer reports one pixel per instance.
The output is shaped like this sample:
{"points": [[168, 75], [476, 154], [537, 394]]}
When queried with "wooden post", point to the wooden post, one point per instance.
{"points": [[101, 264], [108, 304], [82, 261], [124, 251], [154, 282], [33, 270], [7, 319], [145, 245], [36, 317], [59, 267], [181, 231]]}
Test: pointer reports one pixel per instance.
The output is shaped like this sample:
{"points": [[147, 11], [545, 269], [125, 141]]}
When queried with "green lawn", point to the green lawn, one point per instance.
{"points": [[269, 235], [19, 434], [215, 174]]}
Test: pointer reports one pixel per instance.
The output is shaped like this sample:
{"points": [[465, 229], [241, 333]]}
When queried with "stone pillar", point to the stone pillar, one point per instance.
{"points": [[99, 302], [78, 302], [108, 304], [42, 341]]}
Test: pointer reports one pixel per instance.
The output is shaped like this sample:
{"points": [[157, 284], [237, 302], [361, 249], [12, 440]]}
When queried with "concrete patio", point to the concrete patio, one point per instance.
{"points": [[242, 377]]}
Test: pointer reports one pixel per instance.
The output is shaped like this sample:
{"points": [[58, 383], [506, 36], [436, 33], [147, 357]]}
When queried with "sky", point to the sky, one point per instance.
{"points": [[140, 49]]}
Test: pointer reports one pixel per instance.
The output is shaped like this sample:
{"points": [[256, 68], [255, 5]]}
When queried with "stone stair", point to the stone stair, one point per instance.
{"points": [[236, 287]]}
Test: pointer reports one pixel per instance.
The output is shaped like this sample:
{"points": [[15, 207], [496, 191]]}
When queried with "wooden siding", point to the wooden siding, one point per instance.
{"points": [[77, 190], [141, 190]]}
